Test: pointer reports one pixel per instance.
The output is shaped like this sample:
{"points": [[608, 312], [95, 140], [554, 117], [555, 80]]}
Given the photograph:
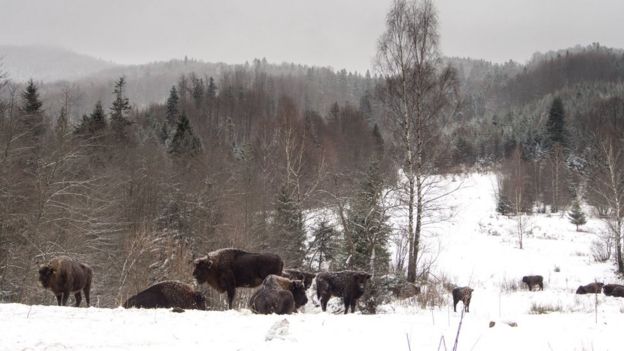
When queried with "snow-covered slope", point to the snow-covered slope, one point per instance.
{"points": [[476, 247]]}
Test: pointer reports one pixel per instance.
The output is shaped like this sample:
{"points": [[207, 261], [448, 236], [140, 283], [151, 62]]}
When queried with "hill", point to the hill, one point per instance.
{"points": [[46, 63]]}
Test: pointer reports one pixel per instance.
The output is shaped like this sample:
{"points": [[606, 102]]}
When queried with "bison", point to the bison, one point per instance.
{"points": [[278, 295], [65, 276], [296, 274], [349, 285], [607, 289], [168, 294], [227, 269], [463, 294], [593, 288], [532, 280]]}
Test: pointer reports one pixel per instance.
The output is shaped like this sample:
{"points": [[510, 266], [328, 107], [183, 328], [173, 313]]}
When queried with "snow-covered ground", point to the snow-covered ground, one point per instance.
{"points": [[477, 247]]}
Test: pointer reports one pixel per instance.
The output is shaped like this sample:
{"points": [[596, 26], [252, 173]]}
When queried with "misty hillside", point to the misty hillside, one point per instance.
{"points": [[47, 63]]}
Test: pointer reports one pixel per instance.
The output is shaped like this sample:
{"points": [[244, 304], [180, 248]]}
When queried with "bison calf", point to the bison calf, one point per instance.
{"points": [[227, 269], [593, 288], [463, 294], [349, 285], [532, 280], [168, 294], [296, 274], [65, 276], [278, 295]]}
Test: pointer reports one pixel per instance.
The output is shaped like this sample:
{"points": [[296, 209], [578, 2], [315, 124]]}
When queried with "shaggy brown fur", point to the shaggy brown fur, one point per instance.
{"points": [[349, 285], [65, 276], [618, 291], [593, 288], [168, 294], [532, 280], [608, 288], [463, 294], [297, 274], [227, 269], [278, 295]]}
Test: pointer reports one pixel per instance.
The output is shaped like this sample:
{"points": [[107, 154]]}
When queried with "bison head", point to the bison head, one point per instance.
{"points": [[202, 269], [360, 281], [299, 293], [525, 279], [45, 275]]}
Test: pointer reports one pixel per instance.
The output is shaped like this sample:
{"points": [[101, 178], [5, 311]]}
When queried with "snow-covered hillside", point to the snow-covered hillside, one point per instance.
{"points": [[477, 247]]}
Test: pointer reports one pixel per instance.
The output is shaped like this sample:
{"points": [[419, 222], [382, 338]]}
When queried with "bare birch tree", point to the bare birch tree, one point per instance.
{"points": [[417, 91]]}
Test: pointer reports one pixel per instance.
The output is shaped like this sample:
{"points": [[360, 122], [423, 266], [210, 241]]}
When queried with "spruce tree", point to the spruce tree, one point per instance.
{"points": [[184, 142], [325, 244], [576, 215], [31, 104], [172, 106], [120, 107], [555, 127], [289, 237], [212, 89], [369, 224]]}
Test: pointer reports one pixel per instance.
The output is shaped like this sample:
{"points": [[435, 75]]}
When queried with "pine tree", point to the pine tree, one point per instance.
{"points": [[503, 206], [212, 89], [62, 124], [289, 235], [325, 244], [94, 122], [576, 215], [555, 126], [184, 142], [120, 107]]}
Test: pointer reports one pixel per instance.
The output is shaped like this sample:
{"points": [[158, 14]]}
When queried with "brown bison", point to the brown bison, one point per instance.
{"points": [[607, 289], [593, 288], [278, 295], [349, 285], [168, 294], [463, 294], [296, 274], [227, 269], [532, 280], [65, 276]]}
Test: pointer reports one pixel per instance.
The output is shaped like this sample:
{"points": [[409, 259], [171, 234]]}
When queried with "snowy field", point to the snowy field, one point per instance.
{"points": [[477, 247]]}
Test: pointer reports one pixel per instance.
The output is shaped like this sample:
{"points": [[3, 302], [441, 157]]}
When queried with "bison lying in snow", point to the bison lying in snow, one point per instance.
{"points": [[593, 288], [278, 295], [464, 295], [349, 285], [613, 290], [65, 276], [296, 274], [168, 294], [227, 269], [532, 280]]}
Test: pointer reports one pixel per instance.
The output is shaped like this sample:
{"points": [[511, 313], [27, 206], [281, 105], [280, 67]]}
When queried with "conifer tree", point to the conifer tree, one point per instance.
{"points": [[212, 89], [325, 244], [172, 106], [289, 236], [120, 107], [31, 104], [555, 127], [184, 142], [576, 215]]}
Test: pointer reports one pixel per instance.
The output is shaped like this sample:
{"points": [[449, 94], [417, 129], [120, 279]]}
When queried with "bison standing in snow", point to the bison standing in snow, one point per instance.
{"points": [[227, 269], [532, 280], [463, 294], [349, 285], [278, 295], [168, 294], [65, 276], [609, 288], [593, 288]]}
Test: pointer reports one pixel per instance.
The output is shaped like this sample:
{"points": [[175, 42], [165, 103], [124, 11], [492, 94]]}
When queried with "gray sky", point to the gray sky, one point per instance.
{"points": [[337, 33]]}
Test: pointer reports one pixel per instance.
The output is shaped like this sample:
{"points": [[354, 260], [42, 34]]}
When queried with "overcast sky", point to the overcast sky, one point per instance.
{"points": [[337, 33]]}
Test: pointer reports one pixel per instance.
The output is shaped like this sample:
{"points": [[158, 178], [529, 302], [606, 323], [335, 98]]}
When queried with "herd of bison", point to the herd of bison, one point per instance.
{"points": [[282, 291]]}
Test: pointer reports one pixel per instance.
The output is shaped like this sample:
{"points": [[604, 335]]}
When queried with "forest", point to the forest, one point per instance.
{"points": [[138, 170]]}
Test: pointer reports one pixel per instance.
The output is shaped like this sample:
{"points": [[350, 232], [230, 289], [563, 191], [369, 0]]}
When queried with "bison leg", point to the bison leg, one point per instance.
{"points": [[347, 303], [541, 285], [65, 298], [86, 294], [231, 292], [59, 298], [78, 298], [324, 300], [467, 306], [455, 301], [353, 306]]}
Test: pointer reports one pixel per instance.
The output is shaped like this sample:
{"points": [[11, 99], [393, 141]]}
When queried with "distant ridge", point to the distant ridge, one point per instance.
{"points": [[47, 63]]}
